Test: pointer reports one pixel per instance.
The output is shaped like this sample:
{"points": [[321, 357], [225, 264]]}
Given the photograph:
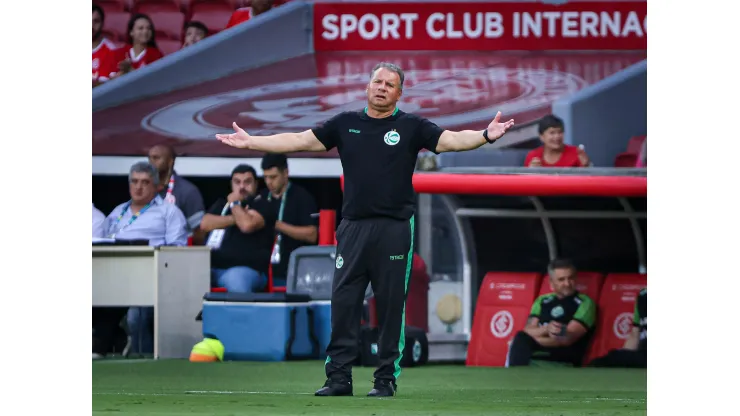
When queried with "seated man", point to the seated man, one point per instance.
{"points": [[559, 323], [240, 230], [146, 216], [634, 352], [554, 152], [297, 216]]}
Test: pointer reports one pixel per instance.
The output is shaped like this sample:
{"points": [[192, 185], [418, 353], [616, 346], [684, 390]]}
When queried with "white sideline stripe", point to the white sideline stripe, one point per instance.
{"points": [[195, 392], [226, 392]]}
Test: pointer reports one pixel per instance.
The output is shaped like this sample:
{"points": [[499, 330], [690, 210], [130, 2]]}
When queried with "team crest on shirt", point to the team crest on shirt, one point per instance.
{"points": [[392, 138], [95, 63], [557, 312], [340, 262]]}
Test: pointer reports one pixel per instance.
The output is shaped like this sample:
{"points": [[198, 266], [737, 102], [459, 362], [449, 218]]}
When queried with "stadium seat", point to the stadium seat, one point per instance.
{"points": [[588, 283], [170, 24], [115, 25], [168, 46], [196, 5], [616, 311], [629, 158], [502, 308], [152, 6], [109, 6], [625, 160], [635, 144], [215, 20]]}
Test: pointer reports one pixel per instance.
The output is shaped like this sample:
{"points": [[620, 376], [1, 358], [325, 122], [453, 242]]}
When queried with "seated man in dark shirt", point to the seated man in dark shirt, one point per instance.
{"points": [[633, 353], [297, 216], [240, 233], [560, 323]]}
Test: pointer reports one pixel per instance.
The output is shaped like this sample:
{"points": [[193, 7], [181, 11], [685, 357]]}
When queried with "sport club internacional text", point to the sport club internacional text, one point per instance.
{"points": [[485, 24], [492, 26]]}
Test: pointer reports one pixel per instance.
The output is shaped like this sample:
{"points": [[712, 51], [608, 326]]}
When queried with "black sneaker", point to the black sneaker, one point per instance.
{"points": [[335, 388], [383, 388]]}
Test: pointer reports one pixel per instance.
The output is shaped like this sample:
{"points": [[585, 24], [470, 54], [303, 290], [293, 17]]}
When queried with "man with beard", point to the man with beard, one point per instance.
{"points": [[105, 54], [239, 231], [559, 324], [175, 189]]}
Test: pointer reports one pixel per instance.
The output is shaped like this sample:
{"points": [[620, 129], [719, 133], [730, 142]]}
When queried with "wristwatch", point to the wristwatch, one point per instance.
{"points": [[485, 136], [234, 203]]}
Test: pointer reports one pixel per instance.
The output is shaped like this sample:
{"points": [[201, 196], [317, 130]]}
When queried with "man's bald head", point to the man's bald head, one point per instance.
{"points": [[162, 156]]}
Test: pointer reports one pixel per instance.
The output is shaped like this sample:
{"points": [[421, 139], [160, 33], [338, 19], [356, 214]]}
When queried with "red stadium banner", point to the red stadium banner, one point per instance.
{"points": [[491, 26]]}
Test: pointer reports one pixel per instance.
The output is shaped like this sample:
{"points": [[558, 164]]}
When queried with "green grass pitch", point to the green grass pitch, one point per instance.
{"points": [[178, 387]]}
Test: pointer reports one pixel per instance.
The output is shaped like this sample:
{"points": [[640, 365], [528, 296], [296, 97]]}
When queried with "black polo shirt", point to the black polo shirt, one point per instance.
{"points": [[550, 308], [300, 210], [378, 158], [245, 249]]}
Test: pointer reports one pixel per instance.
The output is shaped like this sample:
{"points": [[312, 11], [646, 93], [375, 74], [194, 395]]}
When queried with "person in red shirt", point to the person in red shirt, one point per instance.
{"points": [[105, 54], [142, 47], [243, 14], [554, 152]]}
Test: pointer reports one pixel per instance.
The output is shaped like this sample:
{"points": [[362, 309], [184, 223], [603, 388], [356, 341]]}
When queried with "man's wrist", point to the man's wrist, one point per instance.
{"points": [[485, 136]]}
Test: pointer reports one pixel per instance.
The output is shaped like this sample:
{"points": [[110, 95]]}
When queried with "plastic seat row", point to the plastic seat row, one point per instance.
{"points": [[169, 25], [185, 6], [505, 299], [628, 158]]}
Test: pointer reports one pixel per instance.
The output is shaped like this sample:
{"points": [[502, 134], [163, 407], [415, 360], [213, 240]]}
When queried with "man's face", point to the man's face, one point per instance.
{"points": [[275, 179], [552, 138], [141, 187], [161, 158], [97, 21], [193, 35], [244, 183], [384, 89], [563, 281]]}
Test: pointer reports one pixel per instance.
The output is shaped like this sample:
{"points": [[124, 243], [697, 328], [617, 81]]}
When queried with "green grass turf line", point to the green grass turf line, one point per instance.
{"points": [[177, 387]]}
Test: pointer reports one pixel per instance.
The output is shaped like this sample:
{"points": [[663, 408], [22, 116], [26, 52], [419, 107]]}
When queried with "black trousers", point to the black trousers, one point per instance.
{"points": [[622, 358], [524, 348], [378, 251]]}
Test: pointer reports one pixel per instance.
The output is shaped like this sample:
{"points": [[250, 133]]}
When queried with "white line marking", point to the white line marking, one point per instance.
{"points": [[227, 392], [195, 392], [240, 392]]}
